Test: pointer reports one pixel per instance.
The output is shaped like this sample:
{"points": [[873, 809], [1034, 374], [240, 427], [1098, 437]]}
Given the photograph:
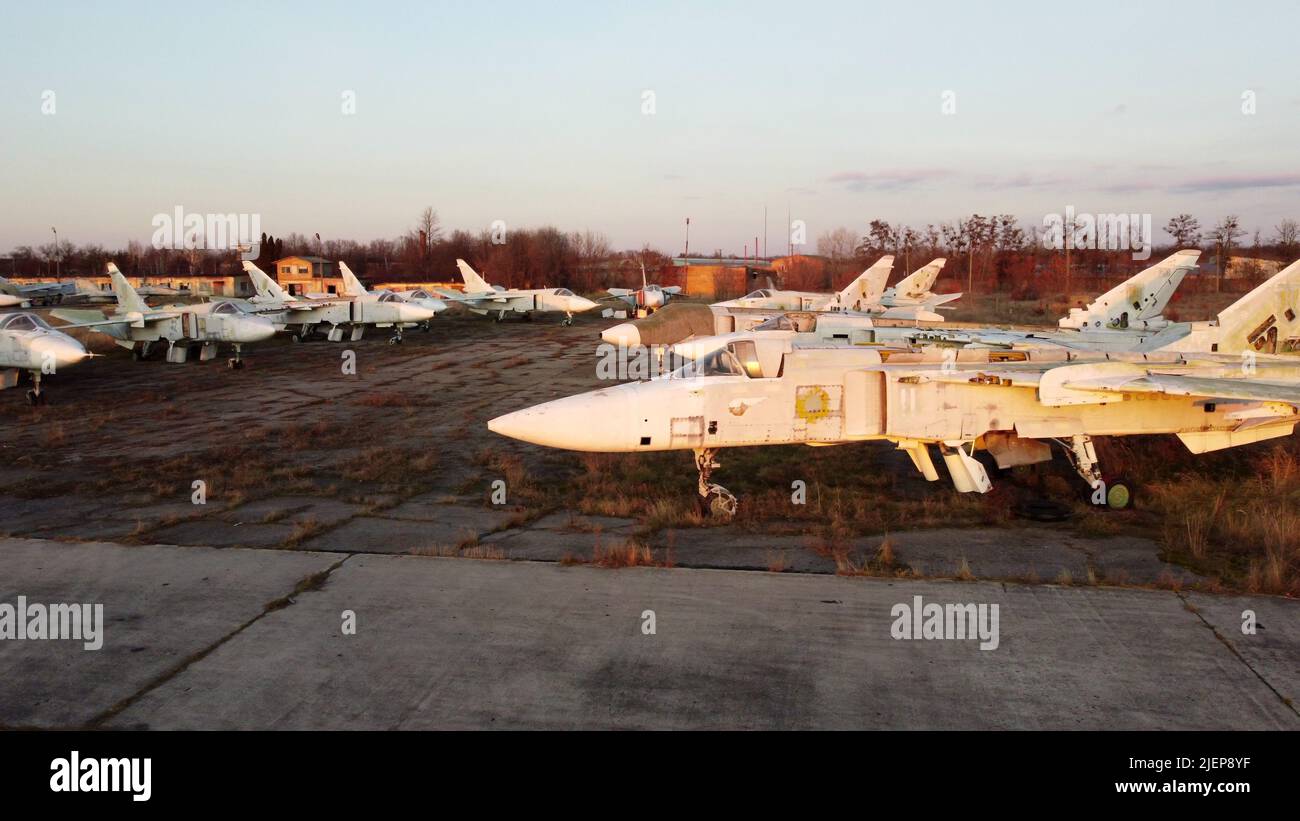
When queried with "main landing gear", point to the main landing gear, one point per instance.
{"points": [[1116, 495], [714, 500], [35, 396], [141, 351]]}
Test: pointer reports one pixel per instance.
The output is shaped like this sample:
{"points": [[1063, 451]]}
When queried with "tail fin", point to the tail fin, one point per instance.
{"points": [[643, 280], [1267, 319], [265, 287], [474, 284], [351, 285], [867, 288], [917, 284], [127, 298], [1139, 300]]}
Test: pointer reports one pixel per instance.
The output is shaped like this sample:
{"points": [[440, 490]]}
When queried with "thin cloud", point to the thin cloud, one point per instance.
{"points": [[1237, 182], [890, 180]]}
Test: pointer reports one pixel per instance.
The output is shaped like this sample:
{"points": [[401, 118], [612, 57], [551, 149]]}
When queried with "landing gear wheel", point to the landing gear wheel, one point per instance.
{"points": [[500, 317], [137, 355], [394, 340], [719, 504], [568, 320], [1118, 496], [235, 364]]}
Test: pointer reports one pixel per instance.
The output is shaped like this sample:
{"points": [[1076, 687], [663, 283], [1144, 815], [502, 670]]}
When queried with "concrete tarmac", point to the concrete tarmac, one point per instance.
{"points": [[199, 637]]}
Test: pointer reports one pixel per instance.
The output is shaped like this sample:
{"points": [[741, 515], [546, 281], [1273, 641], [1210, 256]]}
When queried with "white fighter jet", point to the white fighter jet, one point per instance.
{"points": [[302, 316], [13, 294], [424, 299], [1126, 318], [911, 298], [745, 312], [407, 311], [28, 343], [136, 326], [484, 299], [648, 298], [770, 389]]}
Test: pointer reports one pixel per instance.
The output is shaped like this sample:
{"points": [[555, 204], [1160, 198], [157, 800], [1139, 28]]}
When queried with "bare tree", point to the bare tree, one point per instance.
{"points": [[1185, 229], [1226, 234], [1288, 238], [837, 243]]}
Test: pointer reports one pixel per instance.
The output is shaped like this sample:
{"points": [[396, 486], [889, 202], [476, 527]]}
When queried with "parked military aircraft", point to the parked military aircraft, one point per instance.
{"points": [[768, 389], [302, 316], [404, 311], [28, 343], [1109, 323], [910, 299], [484, 299], [43, 293], [648, 298], [136, 326], [424, 299]]}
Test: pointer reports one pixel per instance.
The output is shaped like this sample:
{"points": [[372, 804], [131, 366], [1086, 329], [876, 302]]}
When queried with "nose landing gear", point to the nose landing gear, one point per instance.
{"points": [[35, 396], [1116, 495], [236, 362], [714, 500]]}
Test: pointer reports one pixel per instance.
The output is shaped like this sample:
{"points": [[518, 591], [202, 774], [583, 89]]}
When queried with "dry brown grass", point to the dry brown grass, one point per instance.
{"points": [[386, 399]]}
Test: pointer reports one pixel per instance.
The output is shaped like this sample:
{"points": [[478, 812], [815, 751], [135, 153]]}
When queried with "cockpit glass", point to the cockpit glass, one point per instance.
{"points": [[563, 292], [20, 322], [776, 323], [388, 296], [746, 354], [225, 308], [759, 294], [419, 294]]}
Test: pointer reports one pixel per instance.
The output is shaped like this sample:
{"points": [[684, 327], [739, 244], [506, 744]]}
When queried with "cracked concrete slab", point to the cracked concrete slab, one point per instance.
{"points": [[454, 643], [1273, 649], [220, 533], [433, 526], [162, 604]]}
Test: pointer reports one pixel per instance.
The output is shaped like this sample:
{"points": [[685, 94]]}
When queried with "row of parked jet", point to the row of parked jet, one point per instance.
{"points": [[28, 342], [819, 375]]}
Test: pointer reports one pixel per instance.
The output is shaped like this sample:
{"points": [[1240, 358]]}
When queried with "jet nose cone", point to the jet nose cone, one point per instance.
{"points": [[57, 351], [625, 335], [435, 305], [568, 423], [413, 313], [580, 304], [258, 329]]}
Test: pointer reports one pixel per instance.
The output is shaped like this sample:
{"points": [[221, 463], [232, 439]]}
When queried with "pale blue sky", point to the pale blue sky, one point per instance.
{"points": [[531, 113]]}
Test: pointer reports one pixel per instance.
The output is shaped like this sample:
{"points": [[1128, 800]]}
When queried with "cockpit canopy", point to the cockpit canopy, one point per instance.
{"points": [[761, 293], [23, 322], [563, 292], [738, 358], [228, 309], [389, 296], [419, 293]]}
